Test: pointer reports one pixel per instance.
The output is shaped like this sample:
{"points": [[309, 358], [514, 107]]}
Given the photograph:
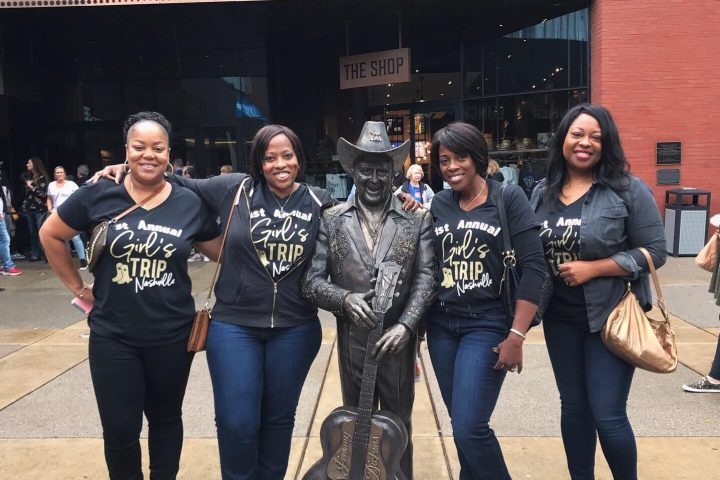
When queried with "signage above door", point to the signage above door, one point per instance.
{"points": [[376, 68]]}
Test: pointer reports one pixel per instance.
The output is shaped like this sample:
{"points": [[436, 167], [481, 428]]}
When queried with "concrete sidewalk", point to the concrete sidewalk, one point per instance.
{"points": [[50, 429]]}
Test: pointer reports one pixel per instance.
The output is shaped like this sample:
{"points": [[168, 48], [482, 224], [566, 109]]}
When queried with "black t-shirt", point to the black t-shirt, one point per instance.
{"points": [[469, 245], [142, 288], [560, 236], [281, 229]]}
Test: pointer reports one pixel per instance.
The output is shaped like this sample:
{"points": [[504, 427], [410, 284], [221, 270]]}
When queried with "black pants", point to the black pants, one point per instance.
{"points": [[129, 381]]}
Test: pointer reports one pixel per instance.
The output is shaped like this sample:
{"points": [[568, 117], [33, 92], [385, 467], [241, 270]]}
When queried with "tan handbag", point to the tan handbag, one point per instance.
{"points": [[645, 340], [708, 255], [201, 323]]}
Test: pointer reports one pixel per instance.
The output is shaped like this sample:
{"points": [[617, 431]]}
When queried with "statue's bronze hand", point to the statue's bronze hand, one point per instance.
{"points": [[393, 340], [409, 203], [357, 310]]}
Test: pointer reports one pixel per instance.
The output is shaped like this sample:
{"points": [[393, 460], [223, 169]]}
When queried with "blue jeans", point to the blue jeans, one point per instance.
{"points": [[594, 386], [257, 376], [461, 352], [78, 246], [5, 258], [715, 369], [33, 221]]}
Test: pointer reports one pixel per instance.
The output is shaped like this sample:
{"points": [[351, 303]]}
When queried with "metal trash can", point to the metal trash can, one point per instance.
{"points": [[686, 220]]}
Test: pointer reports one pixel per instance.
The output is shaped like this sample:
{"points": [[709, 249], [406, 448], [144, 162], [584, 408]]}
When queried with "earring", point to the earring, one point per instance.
{"points": [[126, 167], [169, 170]]}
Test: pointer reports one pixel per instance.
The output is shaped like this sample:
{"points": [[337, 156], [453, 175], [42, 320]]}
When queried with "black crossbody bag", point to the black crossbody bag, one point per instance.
{"points": [[510, 279]]}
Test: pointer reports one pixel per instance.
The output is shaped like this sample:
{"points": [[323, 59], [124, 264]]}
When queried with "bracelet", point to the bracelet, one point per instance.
{"points": [[518, 333], [79, 294]]}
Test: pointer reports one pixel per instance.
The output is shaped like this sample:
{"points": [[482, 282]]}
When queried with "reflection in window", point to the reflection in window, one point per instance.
{"points": [[548, 56], [421, 87], [220, 149], [521, 123], [222, 98], [102, 102]]}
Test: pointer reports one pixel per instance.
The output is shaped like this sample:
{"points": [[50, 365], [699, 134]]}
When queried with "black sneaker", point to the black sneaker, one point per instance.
{"points": [[702, 386], [83, 264]]}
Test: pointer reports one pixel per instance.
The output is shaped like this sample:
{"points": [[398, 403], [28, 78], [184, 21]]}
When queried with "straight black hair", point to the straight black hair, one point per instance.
{"points": [[610, 171], [462, 139], [260, 144]]}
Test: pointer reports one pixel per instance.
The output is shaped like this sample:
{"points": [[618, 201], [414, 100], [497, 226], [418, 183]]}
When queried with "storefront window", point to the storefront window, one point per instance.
{"points": [[548, 56], [102, 102]]}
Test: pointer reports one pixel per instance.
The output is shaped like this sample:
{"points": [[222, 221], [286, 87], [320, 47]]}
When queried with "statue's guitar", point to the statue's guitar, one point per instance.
{"points": [[358, 443]]}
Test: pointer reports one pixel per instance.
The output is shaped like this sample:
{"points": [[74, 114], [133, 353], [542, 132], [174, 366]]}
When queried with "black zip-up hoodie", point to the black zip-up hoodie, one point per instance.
{"points": [[245, 292]]}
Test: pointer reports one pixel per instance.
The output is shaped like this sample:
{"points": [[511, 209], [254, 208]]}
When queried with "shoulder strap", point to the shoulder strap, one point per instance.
{"points": [[656, 282], [224, 238], [312, 194], [504, 225], [139, 204]]}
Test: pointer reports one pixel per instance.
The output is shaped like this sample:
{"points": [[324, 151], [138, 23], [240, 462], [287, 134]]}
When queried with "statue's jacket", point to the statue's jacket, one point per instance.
{"points": [[341, 252]]}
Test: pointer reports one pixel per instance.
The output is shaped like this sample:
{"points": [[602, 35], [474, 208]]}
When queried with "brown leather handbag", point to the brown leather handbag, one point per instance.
{"points": [[98, 238], [707, 257], [645, 340], [201, 323]]}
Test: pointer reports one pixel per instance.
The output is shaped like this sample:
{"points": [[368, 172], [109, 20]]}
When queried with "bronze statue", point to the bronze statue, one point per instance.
{"points": [[355, 238]]}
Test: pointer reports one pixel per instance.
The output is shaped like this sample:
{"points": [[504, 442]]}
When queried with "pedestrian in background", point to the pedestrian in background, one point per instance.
{"points": [[710, 383], [189, 172], [82, 174], [58, 191], [36, 181], [594, 216], [7, 266], [225, 169], [418, 190], [493, 171]]}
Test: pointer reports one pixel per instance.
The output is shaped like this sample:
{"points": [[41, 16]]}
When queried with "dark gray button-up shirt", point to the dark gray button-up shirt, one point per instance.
{"points": [[615, 227]]}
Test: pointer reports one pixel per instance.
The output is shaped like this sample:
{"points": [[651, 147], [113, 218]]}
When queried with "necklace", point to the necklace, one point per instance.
{"points": [[282, 207], [132, 193], [472, 200]]}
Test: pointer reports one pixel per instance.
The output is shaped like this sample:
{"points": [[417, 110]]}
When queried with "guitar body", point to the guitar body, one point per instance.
{"points": [[359, 443], [386, 445]]}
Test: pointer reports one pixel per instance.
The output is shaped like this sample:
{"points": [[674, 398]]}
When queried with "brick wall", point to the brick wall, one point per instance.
{"points": [[656, 67]]}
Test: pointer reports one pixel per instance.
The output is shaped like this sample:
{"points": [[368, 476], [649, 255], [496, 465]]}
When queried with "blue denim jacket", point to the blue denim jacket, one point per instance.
{"points": [[615, 228]]}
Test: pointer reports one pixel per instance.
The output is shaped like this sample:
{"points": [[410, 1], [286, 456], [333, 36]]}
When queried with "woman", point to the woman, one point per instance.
{"points": [[595, 216], [143, 307], [710, 383], [7, 224], [471, 342], [189, 172], [419, 191], [264, 336], [35, 203], [493, 171], [58, 191]]}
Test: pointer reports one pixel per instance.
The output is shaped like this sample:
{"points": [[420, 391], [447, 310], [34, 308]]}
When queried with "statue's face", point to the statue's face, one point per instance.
{"points": [[373, 180]]}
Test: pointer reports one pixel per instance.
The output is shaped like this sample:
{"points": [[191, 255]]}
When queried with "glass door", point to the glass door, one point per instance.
{"points": [[219, 148], [426, 119]]}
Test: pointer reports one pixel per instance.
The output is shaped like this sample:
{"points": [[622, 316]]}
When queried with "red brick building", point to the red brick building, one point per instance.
{"points": [[654, 65]]}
